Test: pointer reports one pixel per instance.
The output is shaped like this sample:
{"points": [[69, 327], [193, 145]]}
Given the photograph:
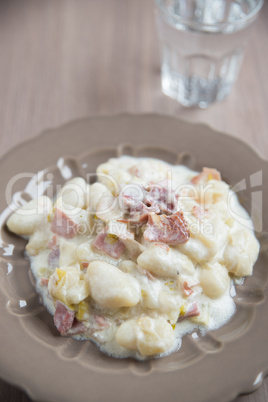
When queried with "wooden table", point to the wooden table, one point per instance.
{"points": [[63, 59]]}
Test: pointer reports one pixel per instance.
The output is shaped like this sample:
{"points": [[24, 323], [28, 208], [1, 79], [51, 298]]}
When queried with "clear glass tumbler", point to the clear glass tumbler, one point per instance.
{"points": [[202, 46]]}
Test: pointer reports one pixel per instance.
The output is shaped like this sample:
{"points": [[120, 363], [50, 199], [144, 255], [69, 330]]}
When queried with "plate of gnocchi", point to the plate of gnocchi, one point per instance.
{"points": [[135, 254]]}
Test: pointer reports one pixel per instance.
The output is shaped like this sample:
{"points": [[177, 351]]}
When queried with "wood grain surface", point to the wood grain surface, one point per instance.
{"points": [[64, 59]]}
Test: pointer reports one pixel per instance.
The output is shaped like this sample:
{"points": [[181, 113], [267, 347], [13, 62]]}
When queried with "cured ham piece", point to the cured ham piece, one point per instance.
{"points": [[131, 203], [192, 312], [53, 257], [52, 242], [63, 318], [186, 289], [109, 244], [44, 281], [63, 225], [101, 321], [199, 212], [163, 246], [137, 220], [163, 198], [156, 200], [172, 229], [206, 175], [77, 328], [135, 205], [150, 277]]}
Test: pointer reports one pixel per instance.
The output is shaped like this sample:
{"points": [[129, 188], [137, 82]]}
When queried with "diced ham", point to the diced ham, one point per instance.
{"points": [[199, 212], [132, 204], [127, 235], [109, 244], [150, 276], [206, 175], [134, 170], [77, 328], [172, 229], [53, 257], [63, 225], [101, 321], [187, 291], [141, 270], [146, 273], [161, 197], [44, 281], [192, 312], [163, 246], [213, 174], [85, 264], [136, 220], [63, 318], [152, 207], [139, 204], [52, 242], [131, 198]]}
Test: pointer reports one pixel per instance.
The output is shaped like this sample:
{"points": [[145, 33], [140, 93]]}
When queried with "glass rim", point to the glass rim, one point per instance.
{"points": [[222, 24]]}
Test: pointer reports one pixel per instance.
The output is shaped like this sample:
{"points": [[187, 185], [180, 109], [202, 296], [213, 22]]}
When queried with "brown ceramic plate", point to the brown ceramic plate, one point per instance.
{"points": [[215, 367]]}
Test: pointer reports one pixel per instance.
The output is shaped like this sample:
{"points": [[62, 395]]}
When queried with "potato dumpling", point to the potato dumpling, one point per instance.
{"points": [[96, 192], [150, 170], [214, 279], [222, 209], [241, 253], [149, 336], [128, 266], [211, 232], [150, 294], [108, 208], [112, 177], [165, 261], [67, 253], [163, 301], [110, 287], [170, 305], [68, 285], [38, 241], [84, 252], [75, 192], [29, 217], [196, 250]]}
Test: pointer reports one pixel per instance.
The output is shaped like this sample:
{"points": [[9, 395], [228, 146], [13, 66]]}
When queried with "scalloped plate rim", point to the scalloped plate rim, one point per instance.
{"points": [[44, 132]]}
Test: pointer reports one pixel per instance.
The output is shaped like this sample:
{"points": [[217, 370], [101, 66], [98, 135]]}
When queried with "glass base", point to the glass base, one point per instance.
{"points": [[194, 91]]}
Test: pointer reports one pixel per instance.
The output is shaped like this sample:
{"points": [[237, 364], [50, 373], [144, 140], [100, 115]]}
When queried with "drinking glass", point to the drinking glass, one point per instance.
{"points": [[202, 46]]}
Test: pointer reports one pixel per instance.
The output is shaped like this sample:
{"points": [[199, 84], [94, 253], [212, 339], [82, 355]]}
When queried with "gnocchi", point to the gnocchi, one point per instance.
{"points": [[110, 287], [165, 261], [29, 217], [147, 335]]}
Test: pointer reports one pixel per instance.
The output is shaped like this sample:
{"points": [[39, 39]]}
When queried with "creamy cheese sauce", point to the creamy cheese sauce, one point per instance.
{"points": [[135, 278]]}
